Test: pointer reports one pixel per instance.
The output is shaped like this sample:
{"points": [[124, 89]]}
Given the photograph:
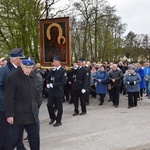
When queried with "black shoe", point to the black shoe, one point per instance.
{"points": [[100, 104], [52, 121], [75, 114], [116, 106], [83, 113], [109, 100], [129, 107], [57, 124]]}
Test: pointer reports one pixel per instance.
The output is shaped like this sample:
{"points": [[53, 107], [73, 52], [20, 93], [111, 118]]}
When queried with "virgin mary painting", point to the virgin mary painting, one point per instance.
{"points": [[55, 42]]}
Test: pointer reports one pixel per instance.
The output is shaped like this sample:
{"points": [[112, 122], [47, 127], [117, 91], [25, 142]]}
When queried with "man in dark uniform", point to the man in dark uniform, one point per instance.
{"points": [[87, 66], [57, 78], [15, 60], [79, 87], [21, 106]]}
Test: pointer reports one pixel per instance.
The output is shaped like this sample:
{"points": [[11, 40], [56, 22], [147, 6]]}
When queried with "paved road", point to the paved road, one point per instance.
{"points": [[102, 128]]}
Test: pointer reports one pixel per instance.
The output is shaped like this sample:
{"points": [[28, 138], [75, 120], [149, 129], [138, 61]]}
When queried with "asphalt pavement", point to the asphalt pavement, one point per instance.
{"points": [[102, 128]]}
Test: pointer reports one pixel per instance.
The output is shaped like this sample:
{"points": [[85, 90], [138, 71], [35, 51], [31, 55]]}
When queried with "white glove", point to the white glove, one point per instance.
{"points": [[128, 83], [48, 86], [83, 91], [51, 85], [134, 82], [54, 68]]}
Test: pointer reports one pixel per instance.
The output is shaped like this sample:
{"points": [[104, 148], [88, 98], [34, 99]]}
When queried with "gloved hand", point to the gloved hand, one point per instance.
{"points": [[83, 91], [54, 68], [132, 83], [50, 85]]}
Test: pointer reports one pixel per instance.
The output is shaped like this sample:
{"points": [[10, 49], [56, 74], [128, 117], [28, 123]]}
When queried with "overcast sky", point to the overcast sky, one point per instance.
{"points": [[135, 13]]}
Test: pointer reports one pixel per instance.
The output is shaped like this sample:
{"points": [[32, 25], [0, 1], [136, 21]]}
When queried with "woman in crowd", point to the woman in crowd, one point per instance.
{"points": [[142, 83], [132, 80], [92, 83], [101, 83]]}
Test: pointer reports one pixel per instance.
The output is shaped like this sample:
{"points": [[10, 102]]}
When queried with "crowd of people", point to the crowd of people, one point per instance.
{"points": [[23, 85], [113, 78]]}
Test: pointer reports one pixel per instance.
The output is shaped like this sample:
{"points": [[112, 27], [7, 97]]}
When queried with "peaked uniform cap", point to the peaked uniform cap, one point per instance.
{"points": [[28, 62], [57, 58], [81, 59], [16, 52]]}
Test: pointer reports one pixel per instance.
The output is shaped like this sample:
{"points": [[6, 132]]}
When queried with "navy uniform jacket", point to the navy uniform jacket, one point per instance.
{"points": [[58, 78], [4, 72], [81, 79]]}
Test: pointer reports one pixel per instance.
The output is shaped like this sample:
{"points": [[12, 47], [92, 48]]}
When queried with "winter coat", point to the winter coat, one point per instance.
{"points": [[117, 75], [20, 97], [133, 78], [4, 72], [101, 87], [146, 71], [39, 86], [141, 73]]}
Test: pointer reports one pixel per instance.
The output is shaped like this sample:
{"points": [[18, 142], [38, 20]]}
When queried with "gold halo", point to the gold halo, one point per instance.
{"points": [[60, 32]]}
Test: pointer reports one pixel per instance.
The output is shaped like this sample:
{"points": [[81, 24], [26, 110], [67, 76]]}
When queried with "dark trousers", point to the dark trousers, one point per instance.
{"points": [[132, 98], [102, 96], [57, 101], [140, 94], [115, 91], [3, 130], [4, 127], [93, 91], [16, 131], [71, 96], [87, 97], [110, 94], [76, 96]]}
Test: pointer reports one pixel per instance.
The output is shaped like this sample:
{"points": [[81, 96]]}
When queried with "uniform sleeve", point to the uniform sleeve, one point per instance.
{"points": [[9, 97], [86, 80]]}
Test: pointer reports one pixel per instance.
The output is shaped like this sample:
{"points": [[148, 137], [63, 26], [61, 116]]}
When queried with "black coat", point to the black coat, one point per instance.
{"points": [[117, 75], [4, 72], [20, 98], [58, 78], [39, 86], [81, 79]]}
